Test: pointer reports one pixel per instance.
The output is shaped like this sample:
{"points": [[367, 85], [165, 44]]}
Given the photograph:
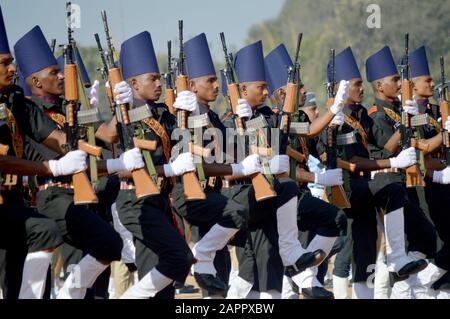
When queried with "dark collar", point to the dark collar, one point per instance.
{"points": [[387, 104], [53, 103]]}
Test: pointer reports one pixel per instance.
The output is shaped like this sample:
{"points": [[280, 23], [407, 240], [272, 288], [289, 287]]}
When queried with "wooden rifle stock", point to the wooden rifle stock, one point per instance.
{"points": [[145, 186], [83, 193], [170, 99], [191, 185], [4, 149], [263, 189], [414, 176], [338, 195]]}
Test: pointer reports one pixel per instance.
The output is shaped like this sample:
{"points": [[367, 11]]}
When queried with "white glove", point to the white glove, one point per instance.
{"points": [[128, 161], [279, 164], [243, 109], [93, 94], [248, 166], [411, 107], [341, 97], [447, 125], [123, 93], [330, 177], [406, 158], [338, 119], [182, 164], [186, 101], [71, 163], [442, 177]]}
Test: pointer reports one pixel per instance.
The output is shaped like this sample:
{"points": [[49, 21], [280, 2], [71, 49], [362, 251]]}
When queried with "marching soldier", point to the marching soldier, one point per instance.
{"points": [[270, 237], [28, 237], [325, 221], [79, 226], [381, 72], [437, 195], [162, 256], [366, 195]]}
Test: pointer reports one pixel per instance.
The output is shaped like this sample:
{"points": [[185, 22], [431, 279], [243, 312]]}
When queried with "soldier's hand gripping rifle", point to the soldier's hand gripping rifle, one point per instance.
{"points": [[338, 195], [83, 191], [145, 185], [443, 107], [168, 80], [193, 190], [409, 135], [263, 189]]}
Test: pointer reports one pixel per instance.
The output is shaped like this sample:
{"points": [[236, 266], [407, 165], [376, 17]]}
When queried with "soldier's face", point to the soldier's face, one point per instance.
{"points": [[279, 95], [147, 86], [302, 95], [255, 93], [423, 86], [356, 91], [206, 88], [49, 81], [7, 70], [390, 86]]}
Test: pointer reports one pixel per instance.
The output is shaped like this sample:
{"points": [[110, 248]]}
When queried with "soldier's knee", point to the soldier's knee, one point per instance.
{"points": [[341, 222], [47, 235], [109, 249]]}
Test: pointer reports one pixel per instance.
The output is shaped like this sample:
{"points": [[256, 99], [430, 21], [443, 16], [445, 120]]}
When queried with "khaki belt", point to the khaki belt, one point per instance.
{"points": [[55, 184], [387, 170]]}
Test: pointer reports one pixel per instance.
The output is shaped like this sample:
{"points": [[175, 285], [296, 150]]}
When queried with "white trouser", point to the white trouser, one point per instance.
{"points": [[81, 277], [148, 286], [287, 290], [205, 249], [34, 275], [270, 294], [289, 246], [360, 290]]}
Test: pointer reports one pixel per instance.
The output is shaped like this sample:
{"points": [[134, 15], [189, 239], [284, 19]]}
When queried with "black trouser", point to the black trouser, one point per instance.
{"points": [[438, 200], [147, 220], [343, 260], [22, 231], [317, 215], [79, 226], [215, 209], [312, 214]]}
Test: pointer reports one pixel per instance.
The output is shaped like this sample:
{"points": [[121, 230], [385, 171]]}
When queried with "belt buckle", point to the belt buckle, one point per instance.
{"points": [[159, 182], [212, 181], [203, 183], [10, 180]]}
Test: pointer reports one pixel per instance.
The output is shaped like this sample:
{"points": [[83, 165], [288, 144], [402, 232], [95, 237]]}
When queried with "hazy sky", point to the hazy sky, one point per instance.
{"points": [[129, 17]]}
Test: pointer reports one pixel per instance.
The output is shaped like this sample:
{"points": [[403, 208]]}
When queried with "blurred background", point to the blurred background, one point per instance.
{"points": [[366, 26]]}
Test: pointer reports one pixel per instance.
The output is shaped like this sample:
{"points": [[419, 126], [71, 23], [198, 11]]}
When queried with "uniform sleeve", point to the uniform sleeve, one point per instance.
{"points": [[382, 129], [37, 125]]}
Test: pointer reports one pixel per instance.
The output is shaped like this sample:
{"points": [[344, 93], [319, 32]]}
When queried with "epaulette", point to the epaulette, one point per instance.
{"points": [[372, 110]]}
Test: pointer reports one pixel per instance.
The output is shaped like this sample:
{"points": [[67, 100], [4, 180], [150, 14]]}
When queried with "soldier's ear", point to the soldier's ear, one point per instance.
{"points": [[378, 85], [244, 90], [193, 86], [36, 82], [134, 84]]}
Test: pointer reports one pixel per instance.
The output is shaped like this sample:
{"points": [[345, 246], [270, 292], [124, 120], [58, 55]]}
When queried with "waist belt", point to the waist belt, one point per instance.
{"points": [[387, 170], [127, 185], [228, 184], [55, 184]]}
